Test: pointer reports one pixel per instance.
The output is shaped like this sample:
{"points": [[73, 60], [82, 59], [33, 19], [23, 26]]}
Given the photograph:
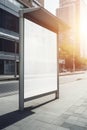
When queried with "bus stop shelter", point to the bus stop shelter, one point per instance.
{"points": [[44, 18]]}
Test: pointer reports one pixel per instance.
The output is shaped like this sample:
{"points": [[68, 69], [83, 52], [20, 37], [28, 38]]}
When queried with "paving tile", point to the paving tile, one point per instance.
{"points": [[25, 122], [75, 122], [51, 128], [85, 112], [65, 116], [73, 108], [68, 113], [39, 125], [60, 120], [46, 117], [74, 127], [73, 118], [80, 110], [84, 104], [66, 125], [60, 128], [79, 103], [12, 127], [82, 120]]}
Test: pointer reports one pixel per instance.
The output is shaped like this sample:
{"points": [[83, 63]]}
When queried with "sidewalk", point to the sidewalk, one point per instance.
{"points": [[8, 77], [67, 113], [71, 73]]}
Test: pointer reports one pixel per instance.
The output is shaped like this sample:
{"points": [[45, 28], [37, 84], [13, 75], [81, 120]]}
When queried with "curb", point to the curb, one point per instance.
{"points": [[8, 79], [17, 78], [71, 73]]}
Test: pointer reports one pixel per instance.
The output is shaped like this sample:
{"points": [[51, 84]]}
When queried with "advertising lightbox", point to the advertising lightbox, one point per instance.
{"points": [[40, 60]]}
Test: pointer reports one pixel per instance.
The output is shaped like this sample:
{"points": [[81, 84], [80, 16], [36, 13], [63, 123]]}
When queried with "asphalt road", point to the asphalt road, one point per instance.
{"points": [[8, 87], [12, 87]]}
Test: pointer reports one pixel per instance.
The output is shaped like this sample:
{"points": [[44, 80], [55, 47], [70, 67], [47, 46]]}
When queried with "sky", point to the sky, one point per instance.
{"points": [[85, 1], [52, 5]]}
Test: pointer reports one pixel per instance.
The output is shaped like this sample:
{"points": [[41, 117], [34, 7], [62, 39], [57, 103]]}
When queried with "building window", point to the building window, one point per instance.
{"points": [[8, 46], [9, 21], [16, 3]]}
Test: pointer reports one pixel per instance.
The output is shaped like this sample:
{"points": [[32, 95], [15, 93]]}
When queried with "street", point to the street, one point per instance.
{"points": [[72, 103], [73, 77], [11, 87], [8, 87]]}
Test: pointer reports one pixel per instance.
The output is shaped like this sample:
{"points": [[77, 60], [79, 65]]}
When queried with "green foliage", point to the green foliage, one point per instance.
{"points": [[68, 52]]}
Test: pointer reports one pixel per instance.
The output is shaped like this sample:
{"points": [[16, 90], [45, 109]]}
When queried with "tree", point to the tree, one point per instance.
{"points": [[66, 51]]}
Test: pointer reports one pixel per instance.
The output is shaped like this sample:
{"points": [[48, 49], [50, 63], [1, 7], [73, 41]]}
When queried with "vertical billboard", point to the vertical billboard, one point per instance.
{"points": [[40, 60]]}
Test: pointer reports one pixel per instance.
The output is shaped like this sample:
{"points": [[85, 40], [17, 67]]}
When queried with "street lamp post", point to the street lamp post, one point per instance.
{"points": [[73, 61], [15, 73], [73, 53], [73, 56]]}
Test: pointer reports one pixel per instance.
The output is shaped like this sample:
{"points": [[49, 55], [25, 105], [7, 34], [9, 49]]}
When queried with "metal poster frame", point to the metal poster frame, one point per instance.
{"points": [[22, 15]]}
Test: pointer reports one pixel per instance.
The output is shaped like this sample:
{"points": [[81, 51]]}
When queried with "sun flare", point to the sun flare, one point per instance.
{"points": [[83, 37]]}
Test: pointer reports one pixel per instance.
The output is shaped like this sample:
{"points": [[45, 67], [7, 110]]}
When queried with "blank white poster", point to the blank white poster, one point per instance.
{"points": [[40, 60]]}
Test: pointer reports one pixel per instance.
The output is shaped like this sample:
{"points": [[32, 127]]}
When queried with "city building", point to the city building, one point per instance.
{"points": [[41, 2], [9, 34], [9, 37], [71, 11]]}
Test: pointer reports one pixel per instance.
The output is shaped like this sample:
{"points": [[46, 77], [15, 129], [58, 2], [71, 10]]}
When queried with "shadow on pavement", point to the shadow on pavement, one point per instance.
{"points": [[13, 117]]}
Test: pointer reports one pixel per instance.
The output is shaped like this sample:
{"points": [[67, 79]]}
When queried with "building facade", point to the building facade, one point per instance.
{"points": [[41, 2], [70, 11], [9, 35]]}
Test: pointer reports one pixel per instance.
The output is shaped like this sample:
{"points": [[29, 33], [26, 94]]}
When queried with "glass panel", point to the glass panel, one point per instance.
{"points": [[9, 21], [16, 3], [40, 60], [7, 46]]}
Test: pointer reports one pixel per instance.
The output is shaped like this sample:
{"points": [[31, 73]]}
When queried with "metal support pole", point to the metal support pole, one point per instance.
{"points": [[21, 61], [15, 73], [73, 57], [73, 63], [74, 38], [57, 93]]}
